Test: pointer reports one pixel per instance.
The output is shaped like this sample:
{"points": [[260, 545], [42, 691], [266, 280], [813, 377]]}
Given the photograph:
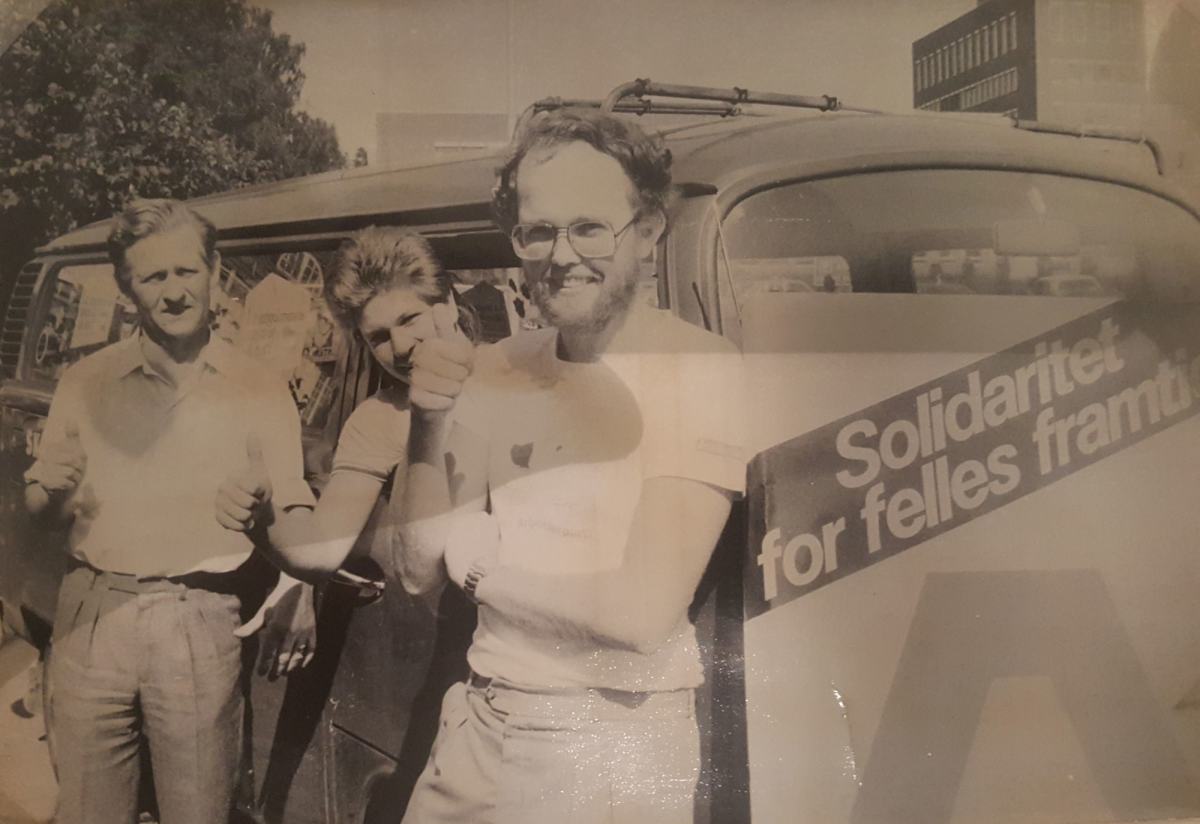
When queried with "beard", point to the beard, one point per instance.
{"points": [[584, 313]]}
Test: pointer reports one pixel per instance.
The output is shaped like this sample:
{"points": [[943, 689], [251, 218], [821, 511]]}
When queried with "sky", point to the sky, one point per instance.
{"points": [[497, 56]]}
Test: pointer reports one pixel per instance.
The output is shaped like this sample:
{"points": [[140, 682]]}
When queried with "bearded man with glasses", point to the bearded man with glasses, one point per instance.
{"points": [[573, 481]]}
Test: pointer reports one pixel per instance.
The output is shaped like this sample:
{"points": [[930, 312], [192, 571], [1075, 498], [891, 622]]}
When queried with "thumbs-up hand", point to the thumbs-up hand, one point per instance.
{"points": [[441, 364], [244, 501], [61, 463]]}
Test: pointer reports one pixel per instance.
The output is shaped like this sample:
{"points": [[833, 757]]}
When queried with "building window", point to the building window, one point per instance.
{"points": [[994, 31], [953, 59], [1012, 30], [1003, 35]]}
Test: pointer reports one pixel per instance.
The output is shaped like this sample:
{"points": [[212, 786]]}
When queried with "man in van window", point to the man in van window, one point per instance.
{"points": [[138, 439], [575, 487]]}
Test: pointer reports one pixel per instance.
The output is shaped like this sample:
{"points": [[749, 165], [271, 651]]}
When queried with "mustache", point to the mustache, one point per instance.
{"points": [[556, 275]]}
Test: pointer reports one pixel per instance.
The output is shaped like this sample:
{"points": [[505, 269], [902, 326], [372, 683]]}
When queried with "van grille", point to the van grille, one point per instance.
{"points": [[13, 331]]}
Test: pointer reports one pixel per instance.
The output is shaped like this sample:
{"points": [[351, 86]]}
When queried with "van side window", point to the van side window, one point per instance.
{"points": [[268, 305], [973, 232], [499, 303], [86, 312]]}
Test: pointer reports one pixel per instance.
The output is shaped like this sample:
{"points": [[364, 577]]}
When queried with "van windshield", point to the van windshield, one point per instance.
{"points": [[950, 231]]}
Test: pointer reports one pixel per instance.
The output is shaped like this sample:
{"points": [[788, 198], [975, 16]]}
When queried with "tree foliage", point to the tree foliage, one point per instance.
{"points": [[101, 100]]}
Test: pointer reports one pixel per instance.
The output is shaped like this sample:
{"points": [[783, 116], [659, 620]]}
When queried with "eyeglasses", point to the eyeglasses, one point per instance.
{"points": [[589, 238]]}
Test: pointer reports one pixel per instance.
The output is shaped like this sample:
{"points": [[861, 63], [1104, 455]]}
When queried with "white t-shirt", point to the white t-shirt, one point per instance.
{"points": [[569, 446], [374, 439]]}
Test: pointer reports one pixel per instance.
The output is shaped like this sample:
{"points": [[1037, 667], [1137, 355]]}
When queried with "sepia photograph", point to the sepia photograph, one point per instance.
{"points": [[530, 411]]}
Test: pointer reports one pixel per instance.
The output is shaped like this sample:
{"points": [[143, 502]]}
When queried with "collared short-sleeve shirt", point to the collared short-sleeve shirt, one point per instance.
{"points": [[570, 446], [156, 456]]}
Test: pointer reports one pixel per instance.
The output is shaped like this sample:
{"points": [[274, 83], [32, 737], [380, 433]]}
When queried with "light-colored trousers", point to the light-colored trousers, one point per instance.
{"points": [[506, 755], [135, 664]]}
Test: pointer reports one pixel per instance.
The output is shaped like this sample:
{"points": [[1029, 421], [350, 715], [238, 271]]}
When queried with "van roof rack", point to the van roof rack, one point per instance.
{"points": [[640, 106], [643, 87], [635, 96], [1103, 134]]}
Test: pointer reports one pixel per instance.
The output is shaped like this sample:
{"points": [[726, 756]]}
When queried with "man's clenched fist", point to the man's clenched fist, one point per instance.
{"points": [[60, 464], [244, 500], [441, 364]]}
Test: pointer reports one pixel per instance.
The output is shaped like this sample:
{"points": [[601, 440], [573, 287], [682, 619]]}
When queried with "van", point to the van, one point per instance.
{"points": [[962, 586]]}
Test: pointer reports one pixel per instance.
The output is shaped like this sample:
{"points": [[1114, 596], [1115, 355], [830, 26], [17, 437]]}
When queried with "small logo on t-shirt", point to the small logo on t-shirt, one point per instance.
{"points": [[521, 453]]}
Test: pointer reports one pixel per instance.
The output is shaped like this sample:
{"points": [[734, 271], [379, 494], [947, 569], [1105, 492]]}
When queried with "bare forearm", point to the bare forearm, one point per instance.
{"points": [[297, 544], [314, 543], [419, 544], [419, 540]]}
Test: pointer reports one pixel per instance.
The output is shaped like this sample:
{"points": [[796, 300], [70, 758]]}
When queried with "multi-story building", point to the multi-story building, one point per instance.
{"points": [[1078, 62]]}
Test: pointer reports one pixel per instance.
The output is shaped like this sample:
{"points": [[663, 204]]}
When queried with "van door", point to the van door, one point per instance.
{"points": [[52, 321], [971, 569]]}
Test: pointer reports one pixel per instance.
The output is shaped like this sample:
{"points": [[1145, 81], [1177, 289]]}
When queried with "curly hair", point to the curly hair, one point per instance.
{"points": [[377, 259], [644, 158], [144, 217]]}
